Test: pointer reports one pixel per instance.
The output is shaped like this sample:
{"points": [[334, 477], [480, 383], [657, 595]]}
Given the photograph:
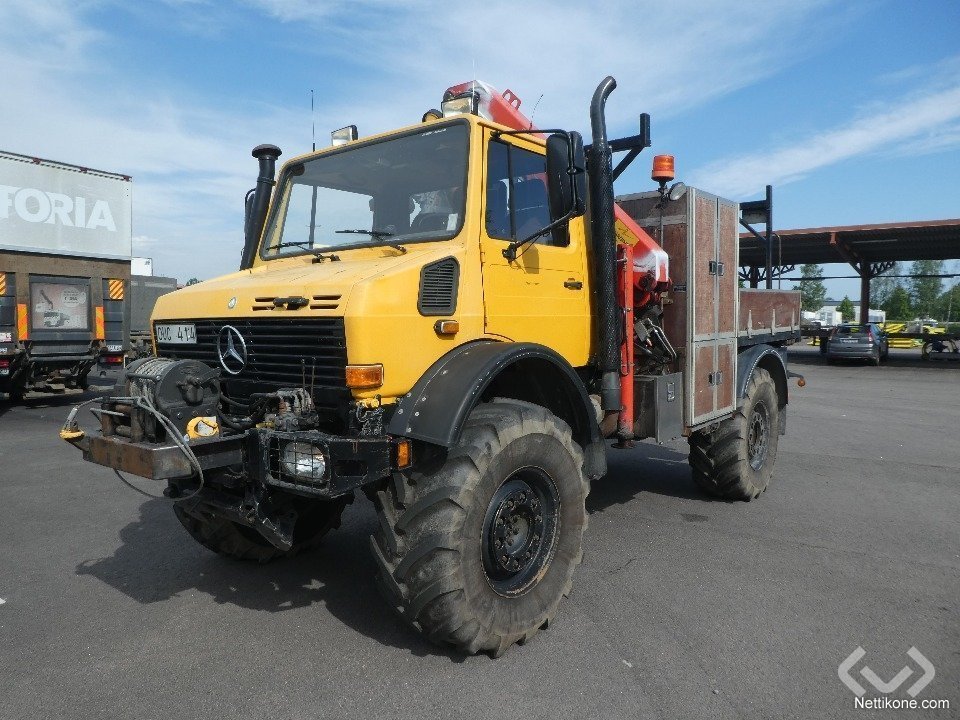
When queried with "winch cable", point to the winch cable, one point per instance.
{"points": [[145, 402]]}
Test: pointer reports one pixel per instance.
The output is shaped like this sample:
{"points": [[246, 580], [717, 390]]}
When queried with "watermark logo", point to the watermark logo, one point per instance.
{"points": [[886, 686]]}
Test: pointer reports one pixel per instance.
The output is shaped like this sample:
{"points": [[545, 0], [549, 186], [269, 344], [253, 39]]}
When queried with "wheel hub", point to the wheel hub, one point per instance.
{"points": [[519, 530], [758, 438]]}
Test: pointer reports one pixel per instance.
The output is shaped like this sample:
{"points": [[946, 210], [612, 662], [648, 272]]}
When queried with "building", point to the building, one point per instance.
{"points": [[830, 315]]}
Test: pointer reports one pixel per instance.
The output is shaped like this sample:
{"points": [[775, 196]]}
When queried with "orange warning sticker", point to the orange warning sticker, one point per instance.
{"points": [[115, 288], [98, 318], [23, 328]]}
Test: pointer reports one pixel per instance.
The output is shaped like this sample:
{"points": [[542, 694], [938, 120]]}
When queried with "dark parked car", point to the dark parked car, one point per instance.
{"points": [[856, 341]]}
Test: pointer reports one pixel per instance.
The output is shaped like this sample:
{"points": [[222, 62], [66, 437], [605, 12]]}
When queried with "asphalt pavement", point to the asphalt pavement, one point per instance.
{"points": [[683, 608]]}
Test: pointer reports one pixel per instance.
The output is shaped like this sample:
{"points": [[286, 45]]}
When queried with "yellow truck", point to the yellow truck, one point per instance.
{"points": [[455, 318]]}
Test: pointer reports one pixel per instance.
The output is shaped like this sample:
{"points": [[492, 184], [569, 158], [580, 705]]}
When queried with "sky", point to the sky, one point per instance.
{"points": [[850, 109]]}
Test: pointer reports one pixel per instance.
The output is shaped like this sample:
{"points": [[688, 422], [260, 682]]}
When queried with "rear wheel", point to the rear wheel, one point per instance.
{"points": [[735, 462], [476, 552], [314, 520]]}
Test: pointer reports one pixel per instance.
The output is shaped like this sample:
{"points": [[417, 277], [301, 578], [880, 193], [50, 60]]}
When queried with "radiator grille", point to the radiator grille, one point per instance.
{"points": [[281, 352], [438, 287]]}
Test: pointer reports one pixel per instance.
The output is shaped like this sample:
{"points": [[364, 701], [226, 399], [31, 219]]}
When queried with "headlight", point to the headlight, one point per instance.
{"points": [[304, 460]]}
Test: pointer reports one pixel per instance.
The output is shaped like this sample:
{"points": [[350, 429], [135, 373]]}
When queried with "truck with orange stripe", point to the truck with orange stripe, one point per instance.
{"points": [[65, 245]]}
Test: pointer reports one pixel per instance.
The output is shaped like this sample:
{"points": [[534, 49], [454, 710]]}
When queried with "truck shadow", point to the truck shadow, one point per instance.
{"points": [[155, 560], [647, 468]]}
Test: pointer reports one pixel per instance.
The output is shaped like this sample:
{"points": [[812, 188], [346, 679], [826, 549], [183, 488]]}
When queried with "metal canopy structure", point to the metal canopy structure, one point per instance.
{"points": [[870, 249]]}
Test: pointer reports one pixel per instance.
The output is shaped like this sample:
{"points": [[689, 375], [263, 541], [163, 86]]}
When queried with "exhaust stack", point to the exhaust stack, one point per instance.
{"points": [[605, 249]]}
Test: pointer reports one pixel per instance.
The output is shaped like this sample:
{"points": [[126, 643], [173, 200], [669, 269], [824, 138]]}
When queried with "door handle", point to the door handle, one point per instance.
{"points": [[573, 284]]}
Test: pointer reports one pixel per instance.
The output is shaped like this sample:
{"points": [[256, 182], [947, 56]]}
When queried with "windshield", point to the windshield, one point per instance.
{"points": [[402, 189]]}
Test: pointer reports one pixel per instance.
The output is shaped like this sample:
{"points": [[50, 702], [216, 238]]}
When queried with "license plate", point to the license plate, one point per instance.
{"points": [[177, 334], [6, 337], [117, 348], [849, 340]]}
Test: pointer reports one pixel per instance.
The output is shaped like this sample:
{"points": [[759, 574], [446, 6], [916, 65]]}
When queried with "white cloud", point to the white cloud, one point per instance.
{"points": [[667, 57], [919, 123], [68, 96]]}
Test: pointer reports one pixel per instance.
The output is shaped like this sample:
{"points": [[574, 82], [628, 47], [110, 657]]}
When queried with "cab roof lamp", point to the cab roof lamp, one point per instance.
{"points": [[344, 135], [466, 104]]}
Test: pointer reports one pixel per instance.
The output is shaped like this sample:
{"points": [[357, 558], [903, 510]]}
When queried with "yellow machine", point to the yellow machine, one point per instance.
{"points": [[432, 316]]}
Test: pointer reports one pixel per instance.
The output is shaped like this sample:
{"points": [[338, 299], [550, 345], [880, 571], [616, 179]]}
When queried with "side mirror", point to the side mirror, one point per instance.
{"points": [[566, 175]]}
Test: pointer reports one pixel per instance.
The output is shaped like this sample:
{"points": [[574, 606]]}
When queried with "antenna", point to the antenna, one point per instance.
{"points": [[313, 121], [534, 112]]}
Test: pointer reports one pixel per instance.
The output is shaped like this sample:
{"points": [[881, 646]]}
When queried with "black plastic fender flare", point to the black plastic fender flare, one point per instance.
{"points": [[437, 407], [774, 361]]}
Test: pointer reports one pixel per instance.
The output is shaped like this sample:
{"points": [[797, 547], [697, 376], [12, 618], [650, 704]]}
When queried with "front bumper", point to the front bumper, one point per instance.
{"points": [[351, 462]]}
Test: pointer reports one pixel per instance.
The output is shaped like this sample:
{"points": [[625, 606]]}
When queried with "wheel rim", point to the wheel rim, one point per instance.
{"points": [[520, 531], [758, 436]]}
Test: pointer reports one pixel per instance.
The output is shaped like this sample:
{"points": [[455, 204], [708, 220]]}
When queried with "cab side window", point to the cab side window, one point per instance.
{"points": [[517, 204]]}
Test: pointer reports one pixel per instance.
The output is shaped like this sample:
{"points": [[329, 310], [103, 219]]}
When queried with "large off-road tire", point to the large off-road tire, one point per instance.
{"points": [[735, 461], [477, 550], [237, 541]]}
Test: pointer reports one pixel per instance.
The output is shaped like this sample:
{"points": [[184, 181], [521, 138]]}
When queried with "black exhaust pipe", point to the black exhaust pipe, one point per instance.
{"points": [[605, 248], [257, 208]]}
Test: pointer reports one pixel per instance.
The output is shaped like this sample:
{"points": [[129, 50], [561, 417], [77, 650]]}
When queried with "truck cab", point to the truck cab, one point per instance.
{"points": [[394, 246]]}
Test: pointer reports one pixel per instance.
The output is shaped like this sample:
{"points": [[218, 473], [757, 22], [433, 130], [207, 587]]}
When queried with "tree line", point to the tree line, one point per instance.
{"points": [[901, 298]]}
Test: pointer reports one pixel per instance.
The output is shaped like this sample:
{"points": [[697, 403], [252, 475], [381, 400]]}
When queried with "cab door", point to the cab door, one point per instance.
{"points": [[543, 295]]}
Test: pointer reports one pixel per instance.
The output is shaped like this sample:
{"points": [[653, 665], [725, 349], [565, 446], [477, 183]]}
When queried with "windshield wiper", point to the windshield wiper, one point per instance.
{"points": [[378, 234], [318, 254], [372, 233]]}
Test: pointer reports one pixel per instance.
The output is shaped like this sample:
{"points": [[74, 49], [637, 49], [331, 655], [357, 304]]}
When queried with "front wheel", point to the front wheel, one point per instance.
{"points": [[735, 461], [315, 518], [477, 551]]}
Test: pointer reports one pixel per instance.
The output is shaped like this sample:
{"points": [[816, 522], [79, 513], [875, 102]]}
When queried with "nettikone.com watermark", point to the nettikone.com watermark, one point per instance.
{"points": [[886, 687]]}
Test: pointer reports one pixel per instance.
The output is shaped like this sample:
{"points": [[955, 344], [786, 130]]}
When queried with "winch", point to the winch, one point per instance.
{"points": [[187, 392]]}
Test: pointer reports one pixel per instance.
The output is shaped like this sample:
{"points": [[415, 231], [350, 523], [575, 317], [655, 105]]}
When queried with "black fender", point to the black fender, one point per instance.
{"points": [[774, 361], [437, 407]]}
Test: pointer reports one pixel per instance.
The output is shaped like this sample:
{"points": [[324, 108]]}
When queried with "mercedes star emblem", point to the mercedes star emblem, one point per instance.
{"points": [[232, 350]]}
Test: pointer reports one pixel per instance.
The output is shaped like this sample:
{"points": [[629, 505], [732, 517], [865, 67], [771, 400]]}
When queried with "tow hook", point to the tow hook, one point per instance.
{"points": [[71, 431]]}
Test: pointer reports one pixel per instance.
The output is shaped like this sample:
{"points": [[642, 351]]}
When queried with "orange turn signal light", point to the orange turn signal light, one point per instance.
{"points": [[446, 327], [663, 168], [404, 454], [364, 377]]}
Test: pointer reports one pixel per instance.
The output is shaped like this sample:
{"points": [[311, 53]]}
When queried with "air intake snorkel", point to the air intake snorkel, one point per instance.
{"points": [[258, 200]]}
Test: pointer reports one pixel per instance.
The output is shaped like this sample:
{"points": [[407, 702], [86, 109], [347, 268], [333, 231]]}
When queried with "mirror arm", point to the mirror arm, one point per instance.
{"points": [[510, 251]]}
